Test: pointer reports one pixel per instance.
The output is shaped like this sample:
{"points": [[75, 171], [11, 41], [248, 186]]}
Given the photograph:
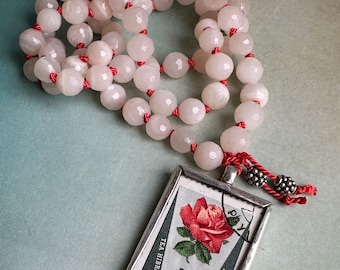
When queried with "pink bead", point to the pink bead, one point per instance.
{"points": [[176, 65], [230, 17], [208, 156], [74, 62], [243, 5], [215, 95], [185, 2], [204, 24], [30, 41], [125, 67], [200, 57], [49, 20], [101, 10], [210, 15], [75, 11], [97, 26], [219, 66], [117, 7], [215, 4], [254, 92], [163, 102], [245, 26], [235, 140], [28, 69], [41, 4], [135, 19], [50, 88], [146, 77], [153, 62], [70, 82], [134, 111], [250, 113], [140, 47], [163, 5], [99, 53], [147, 5], [191, 111], [182, 138], [200, 7], [116, 42], [44, 67], [249, 70], [158, 127], [80, 33], [113, 98], [225, 48], [210, 39], [54, 50], [241, 43], [100, 77], [112, 27]]}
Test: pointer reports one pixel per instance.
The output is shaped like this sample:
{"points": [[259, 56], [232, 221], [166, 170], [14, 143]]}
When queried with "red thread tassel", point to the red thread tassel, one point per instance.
{"points": [[193, 147], [307, 189]]}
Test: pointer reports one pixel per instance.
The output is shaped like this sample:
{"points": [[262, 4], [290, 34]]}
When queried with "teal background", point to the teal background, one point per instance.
{"points": [[78, 185]]}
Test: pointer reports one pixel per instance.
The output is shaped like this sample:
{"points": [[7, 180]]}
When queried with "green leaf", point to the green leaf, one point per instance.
{"points": [[183, 231], [202, 253], [233, 220], [185, 248]]}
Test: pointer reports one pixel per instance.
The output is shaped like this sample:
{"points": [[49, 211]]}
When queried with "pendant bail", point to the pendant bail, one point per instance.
{"points": [[229, 175]]}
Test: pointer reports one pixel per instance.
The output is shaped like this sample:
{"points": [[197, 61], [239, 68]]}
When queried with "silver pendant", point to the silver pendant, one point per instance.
{"points": [[202, 223]]}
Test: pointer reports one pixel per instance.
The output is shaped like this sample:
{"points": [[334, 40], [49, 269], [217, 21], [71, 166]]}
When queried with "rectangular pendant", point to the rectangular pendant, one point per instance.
{"points": [[201, 223]]}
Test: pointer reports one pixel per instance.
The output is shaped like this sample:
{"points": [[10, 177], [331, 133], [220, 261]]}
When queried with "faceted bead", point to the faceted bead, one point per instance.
{"points": [[117, 7], [147, 5], [235, 140], [49, 20], [158, 127], [42, 4], [76, 63], [230, 17], [134, 111], [204, 24], [112, 27], [28, 69], [219, 66], [210, 39], [140, 47], [249, 70], [70, 82], [191, 111], [101, 10], [241, 43], [152, 61], [116, 42], [208, 156], [80, 33], [176, 65], [146, 77], [54, 50], [182, 138], [75, 11], [31, 40], [245, 26], [200, 7], [254, 92], [215, 4], [100, 77], [44, 67], [185, 2], [163, 102], [79, 52], [50, 88], [97, 26], [225, 48], [200, 57], [135, 19], [215, 95], [99, 53], [125, 67], [243, 5], [250, 113], [163, 5], [113, 98]]}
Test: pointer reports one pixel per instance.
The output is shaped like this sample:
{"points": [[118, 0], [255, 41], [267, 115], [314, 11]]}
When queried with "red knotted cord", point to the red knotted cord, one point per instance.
{"points": [[193, 147], [114, 71], [147, 117], [84, 58], [191, 62], [150, 92], [53, 77], [175, 112], [36, 27], [86, 84]]}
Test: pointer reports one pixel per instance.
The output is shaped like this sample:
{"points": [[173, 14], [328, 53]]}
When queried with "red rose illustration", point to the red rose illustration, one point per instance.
{"points": [[207, 224]]}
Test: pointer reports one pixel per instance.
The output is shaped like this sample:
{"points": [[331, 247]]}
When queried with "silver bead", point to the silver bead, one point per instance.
{"points": [[256, 177], [285, 185]]}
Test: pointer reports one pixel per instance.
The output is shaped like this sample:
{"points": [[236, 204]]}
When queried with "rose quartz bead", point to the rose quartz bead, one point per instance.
{"points": [[210, 15], [100, 77], [200, 57], [54, 50], [75, 11], [49, 20], [210, 39], [117, 7], [235, 140], [116, 41], [125, 67], [99, 53], [250, 113], [112, 27], [146, 77], [182, 138], [158, 127], [153, 62], [50, 88], [147, 5], [134, 110], [219, 66], [101, 10], [163, 102], [97, 26], [215, 4], [249, 70], [41, 4], [176, 65], [185, 2], [113, 98], [80, 52], [215, 95], [162, 5], [44, 67], [243, 5], [254, 92], [208, 156], [135, 19], [74, 62], [140, 47], [200, 7], [241, 43], [245, 26], [56, 41], [203, 25], [30, 41], [80, 33], [225, 48], [230, 17], [70, 82], [191, 111], [28, 69]]}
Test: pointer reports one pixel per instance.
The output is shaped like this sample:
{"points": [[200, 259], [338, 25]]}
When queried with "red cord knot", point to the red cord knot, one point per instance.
{"points": [[147, 117], [205, 28], [224, 82], [234, 160], [36, 27], [86, 84], [60, 10], [153, 7], [250, 55], [144, 32], [150, 92], [233, 31], [191, 62], [161, 68], [28, 56], [207, 108], [113, 53], [193, 147], [216, 50], [53, 77], [91, 13], [172, 131], [84, 58], [140, 63], [128, 5], [114, 71], [241, 124], [257, 102], [80, 45], [175, 112]]}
